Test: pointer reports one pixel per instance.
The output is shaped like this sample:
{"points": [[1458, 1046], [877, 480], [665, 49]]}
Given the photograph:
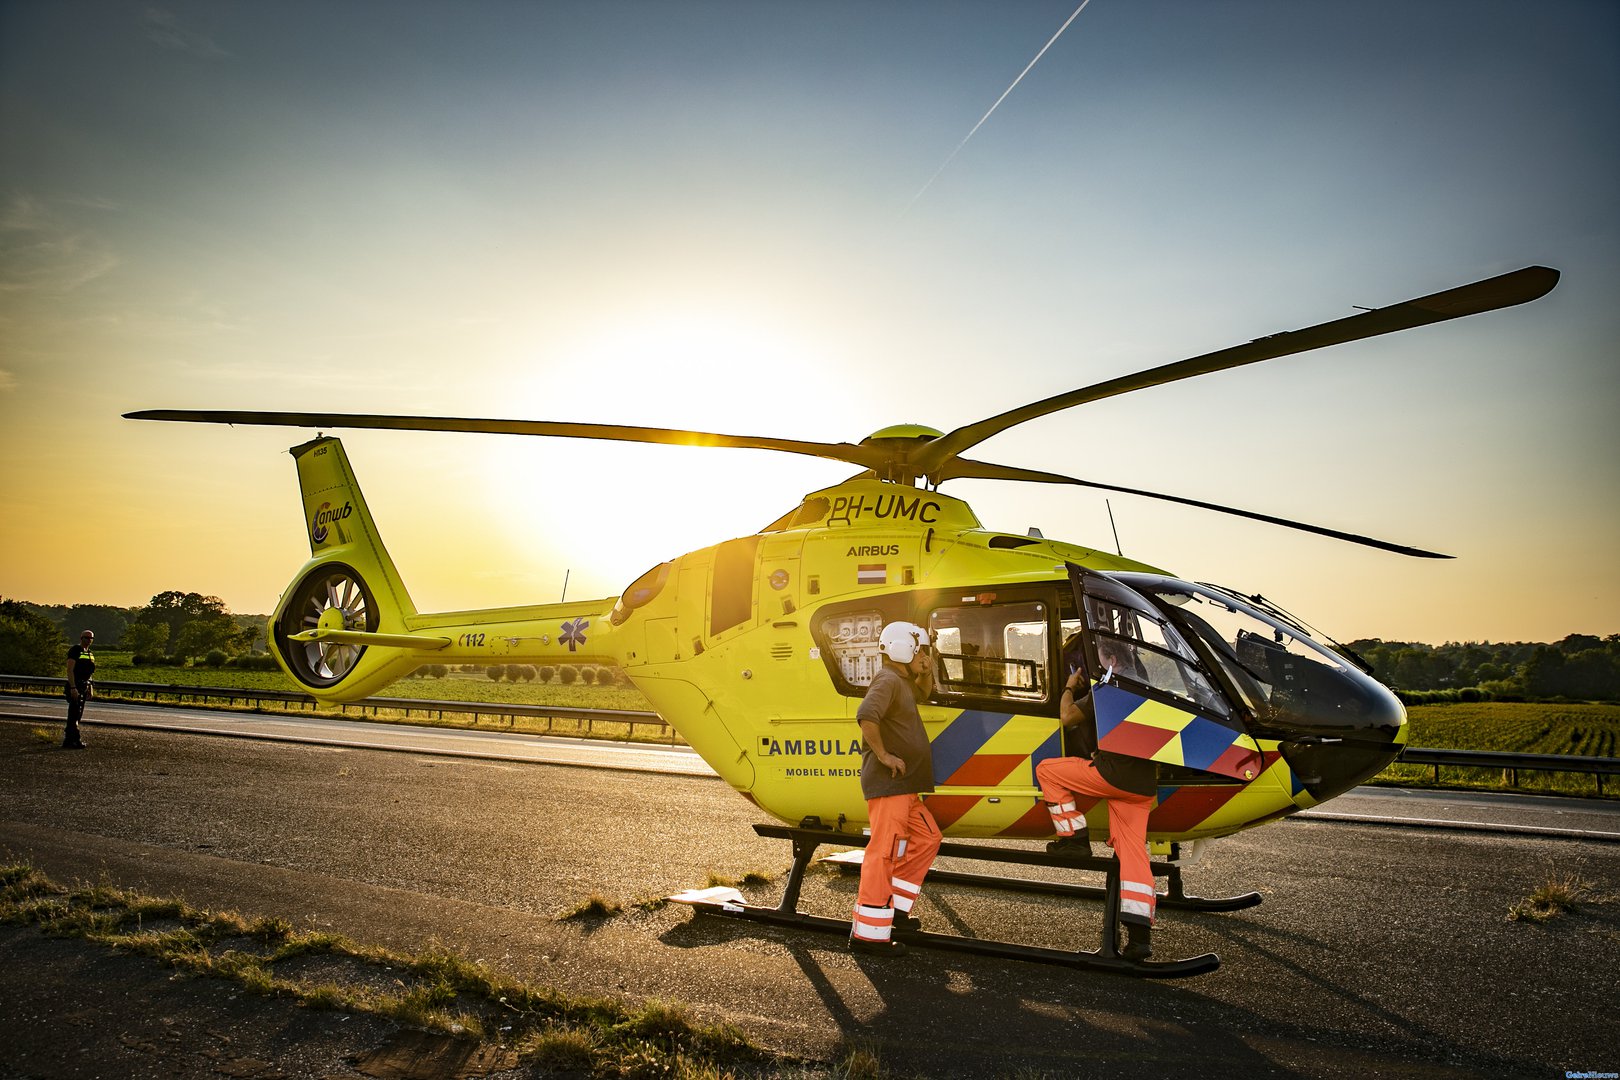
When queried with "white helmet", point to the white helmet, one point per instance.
{"points": [[900, 641]]}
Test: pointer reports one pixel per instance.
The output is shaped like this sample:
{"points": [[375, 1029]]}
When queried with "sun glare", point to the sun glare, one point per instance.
{"points": [[603, 511], [700, 369]]}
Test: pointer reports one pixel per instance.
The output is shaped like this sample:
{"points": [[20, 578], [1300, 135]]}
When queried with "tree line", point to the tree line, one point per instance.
{"points": [[174, 627], [567, 674], [1581, 667]]}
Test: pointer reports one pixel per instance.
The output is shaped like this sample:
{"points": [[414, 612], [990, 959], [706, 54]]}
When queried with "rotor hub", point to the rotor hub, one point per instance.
{"points": [[898, 441]]}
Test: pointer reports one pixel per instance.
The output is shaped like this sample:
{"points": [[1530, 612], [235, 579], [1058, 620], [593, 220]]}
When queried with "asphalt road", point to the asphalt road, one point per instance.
{"points": [[1540, 815], [370, 735], [1378, 951]]}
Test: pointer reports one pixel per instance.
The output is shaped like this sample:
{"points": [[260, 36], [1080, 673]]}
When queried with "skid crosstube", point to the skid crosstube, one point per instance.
{"points": [[1106, 957]]}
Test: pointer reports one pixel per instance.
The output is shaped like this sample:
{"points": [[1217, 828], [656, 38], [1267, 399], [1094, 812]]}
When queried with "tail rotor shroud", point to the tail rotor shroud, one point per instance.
{"points": [[330, 597]]}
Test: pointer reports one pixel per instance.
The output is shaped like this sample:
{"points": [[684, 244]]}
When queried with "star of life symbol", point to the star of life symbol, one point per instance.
{"points": [[573, 633]]}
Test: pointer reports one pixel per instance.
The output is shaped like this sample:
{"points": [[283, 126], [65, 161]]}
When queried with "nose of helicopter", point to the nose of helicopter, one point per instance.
{"points": [[1335, 758]]}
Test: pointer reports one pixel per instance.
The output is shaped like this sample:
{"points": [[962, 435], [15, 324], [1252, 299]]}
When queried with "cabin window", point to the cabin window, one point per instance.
{"points": [[806, 513], [732, 597], [995, 651]]}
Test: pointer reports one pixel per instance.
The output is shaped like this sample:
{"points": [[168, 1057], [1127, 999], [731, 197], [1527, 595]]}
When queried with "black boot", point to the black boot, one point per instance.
{"points": [[864, 947], [1070, 845], [1138, 942]]}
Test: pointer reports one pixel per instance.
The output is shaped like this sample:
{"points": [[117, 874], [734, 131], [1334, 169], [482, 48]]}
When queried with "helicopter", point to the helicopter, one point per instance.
{"points": [[758, 649]]}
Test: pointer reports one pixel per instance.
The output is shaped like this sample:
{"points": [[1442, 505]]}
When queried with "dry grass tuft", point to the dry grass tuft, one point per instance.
{"points": [[861, 1062], [594, 906], [1553, 898]]}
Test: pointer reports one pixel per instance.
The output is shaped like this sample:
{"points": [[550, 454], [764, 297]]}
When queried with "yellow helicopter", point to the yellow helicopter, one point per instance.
{"points": [[757, 650]]}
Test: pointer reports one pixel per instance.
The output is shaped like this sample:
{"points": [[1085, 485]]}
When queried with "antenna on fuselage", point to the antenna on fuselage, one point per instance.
{"points": [[1117, 549], [564, 599]]}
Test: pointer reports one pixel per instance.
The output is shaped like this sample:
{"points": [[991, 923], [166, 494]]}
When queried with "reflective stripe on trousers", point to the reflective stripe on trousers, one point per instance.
{"points": [[1066, 820], [872, 923]]}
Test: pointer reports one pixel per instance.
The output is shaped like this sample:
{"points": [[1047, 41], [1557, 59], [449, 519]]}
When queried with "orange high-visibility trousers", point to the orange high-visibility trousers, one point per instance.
{"points": [[905, 839], [1076, 780]]}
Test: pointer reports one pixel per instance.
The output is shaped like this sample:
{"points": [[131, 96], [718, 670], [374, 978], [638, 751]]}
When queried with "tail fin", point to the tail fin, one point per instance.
{"points": [[339, 521], [349, 593]]}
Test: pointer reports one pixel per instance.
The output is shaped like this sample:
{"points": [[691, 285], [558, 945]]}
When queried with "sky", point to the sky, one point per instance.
{"points": [[733, 217]]}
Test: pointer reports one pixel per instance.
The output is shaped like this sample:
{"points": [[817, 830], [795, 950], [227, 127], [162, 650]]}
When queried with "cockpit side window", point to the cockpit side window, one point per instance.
{"points": [[1253, 686], [1135, 642], [1294, 686]]}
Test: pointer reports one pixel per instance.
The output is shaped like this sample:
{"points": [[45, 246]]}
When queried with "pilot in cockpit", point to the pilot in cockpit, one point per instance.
{"points": [[1118, 658]]}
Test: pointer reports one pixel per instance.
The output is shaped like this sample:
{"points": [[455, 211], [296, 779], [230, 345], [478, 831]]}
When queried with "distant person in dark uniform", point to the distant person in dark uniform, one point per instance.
{"points": [[81, 667], [1072, 785]]}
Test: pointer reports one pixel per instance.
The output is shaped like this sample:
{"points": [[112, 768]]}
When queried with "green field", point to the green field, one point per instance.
{"points": [[1520, 727], [1515, 727], [1512, 727]]}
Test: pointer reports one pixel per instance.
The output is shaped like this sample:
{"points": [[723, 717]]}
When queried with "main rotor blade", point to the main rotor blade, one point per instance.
{"points": [[867, 457], [967, 468], [1507, 290]]}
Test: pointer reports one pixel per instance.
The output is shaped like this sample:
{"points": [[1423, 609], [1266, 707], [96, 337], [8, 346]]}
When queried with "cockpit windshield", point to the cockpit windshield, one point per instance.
{"points": [[1288, 679], [1251, 644]]}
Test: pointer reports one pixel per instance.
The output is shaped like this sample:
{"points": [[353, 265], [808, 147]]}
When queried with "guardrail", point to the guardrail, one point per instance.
{"points": [[133, 693], [1510, 764]]}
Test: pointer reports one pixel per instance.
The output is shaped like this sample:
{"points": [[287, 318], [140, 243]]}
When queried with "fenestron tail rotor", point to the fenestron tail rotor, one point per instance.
{"points": [[330, 597]]}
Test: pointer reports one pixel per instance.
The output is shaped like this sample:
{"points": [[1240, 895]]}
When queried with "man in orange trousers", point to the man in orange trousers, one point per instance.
{"points": [[1072, 785], [897, 767]]}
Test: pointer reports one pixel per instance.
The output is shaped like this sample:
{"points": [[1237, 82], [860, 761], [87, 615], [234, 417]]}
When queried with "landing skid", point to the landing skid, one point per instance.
{"points": [[1176, 897], [729, 903]]}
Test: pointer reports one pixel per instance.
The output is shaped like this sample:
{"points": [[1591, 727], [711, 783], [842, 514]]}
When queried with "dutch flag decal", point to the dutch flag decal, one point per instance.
{"points": [[872, 574]]}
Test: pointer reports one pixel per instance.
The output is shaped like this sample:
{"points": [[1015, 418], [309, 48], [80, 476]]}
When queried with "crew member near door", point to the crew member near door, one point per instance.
{"points": [[81, 666], [897, 767], [1072, 785]]}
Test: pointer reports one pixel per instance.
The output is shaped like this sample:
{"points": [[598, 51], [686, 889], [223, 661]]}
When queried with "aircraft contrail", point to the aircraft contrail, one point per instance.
{"points": [[997, 105]]}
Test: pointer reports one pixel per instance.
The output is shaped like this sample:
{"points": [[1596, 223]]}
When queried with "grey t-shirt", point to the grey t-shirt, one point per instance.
{"points": [[891, 704]]}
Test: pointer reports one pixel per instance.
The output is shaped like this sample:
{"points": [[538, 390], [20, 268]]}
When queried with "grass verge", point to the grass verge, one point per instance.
{"points": [[433, 990]]}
